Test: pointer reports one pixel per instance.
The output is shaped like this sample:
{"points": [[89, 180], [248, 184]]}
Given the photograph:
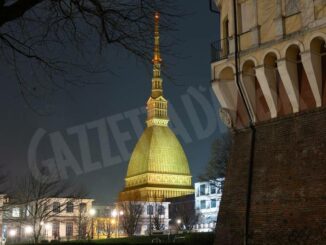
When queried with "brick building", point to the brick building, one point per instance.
{"points": [[272, 94]]}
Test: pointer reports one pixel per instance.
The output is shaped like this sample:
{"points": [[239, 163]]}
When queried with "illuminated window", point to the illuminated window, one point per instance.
{"points": [[213, 203], [202, 189], [213, 189], [15, 212], [202, 204]]}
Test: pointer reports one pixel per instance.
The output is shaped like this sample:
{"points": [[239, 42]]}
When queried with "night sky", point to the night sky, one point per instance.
{"points": [[125, 89]]}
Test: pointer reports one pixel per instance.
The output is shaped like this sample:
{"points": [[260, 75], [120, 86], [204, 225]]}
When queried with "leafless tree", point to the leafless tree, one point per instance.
{"points": [[45, 40], [157, 214], [41, 201], [216, 168], [132, 211], [184, 210]]}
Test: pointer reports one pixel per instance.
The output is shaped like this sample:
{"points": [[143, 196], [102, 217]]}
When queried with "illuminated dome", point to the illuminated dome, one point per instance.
{"points": [[158, 150], [158, 167]]}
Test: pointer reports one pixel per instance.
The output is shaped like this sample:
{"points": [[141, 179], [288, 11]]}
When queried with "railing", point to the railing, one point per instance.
{"points": [[219, 49]]}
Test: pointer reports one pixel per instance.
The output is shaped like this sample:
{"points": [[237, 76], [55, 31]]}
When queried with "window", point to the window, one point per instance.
{"points": [[56, 207], [161, 210], [202, 189], [213, 189], [29, 210], [291, 7], [70, 207], [202, 204], [15, 212], [150, 210], [69, 229], [82, 207], [213, 203], [56, 230]]}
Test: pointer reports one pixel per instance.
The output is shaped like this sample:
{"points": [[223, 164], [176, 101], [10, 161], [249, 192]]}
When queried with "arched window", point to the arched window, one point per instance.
{"points": [[56, 207], [69, 207], [294, 66], [318, 57], [256, 97], [283, 104]]}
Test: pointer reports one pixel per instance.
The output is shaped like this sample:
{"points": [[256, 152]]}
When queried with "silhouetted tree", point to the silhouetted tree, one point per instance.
{"points": [[132, 211], [216, 167], [37, 201], [45, 40]]}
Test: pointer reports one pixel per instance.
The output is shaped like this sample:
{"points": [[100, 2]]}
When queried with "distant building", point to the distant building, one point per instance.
{"points": [[68, 219], [103, 224], [155, 218], [207, 202], [3, 201], [158, 167]]}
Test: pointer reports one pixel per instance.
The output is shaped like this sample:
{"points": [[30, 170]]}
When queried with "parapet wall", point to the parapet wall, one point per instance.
{"points": [[288, 201]]}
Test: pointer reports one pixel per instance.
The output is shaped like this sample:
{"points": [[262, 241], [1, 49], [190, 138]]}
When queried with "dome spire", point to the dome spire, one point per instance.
{"points": [[157, 56], [157, 105], [157, 88]]}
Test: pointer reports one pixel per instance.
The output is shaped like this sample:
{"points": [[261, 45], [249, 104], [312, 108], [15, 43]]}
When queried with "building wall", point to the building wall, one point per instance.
{"points": [[288, 187], [282, 50], [22, 220], [206, 195], [282, 75]]}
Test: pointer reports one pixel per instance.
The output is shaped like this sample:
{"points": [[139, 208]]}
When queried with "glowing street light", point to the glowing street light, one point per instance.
{"points": [[28, 230], [48, 226], [12, 233], [92, 212], [114, 213], [178, 221]]}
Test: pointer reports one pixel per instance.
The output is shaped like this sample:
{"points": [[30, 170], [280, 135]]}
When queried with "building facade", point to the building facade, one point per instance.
{"points": [[63, 219], [158, 167], [281, 64], [273, 96], [207, 202]]}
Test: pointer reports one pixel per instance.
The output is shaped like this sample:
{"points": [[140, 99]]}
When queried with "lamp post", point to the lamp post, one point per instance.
{"points": [[92, 213], [12, 233], [116, 213], [47, 228], [179, 224]]}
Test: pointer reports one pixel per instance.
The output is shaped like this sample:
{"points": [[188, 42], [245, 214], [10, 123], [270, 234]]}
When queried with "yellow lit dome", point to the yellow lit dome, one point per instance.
{"points": [[158, 151]]}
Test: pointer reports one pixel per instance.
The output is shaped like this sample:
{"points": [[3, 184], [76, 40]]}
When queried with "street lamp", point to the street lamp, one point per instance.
{"points": [[179, 224], [116, 213], [92, 213], [28, 230], [47, 227], [12, 232]]}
